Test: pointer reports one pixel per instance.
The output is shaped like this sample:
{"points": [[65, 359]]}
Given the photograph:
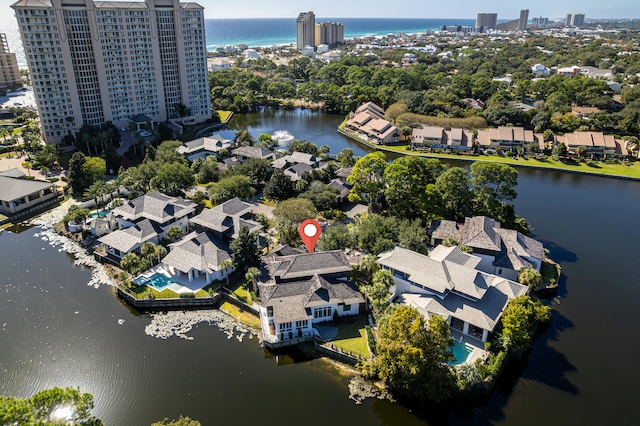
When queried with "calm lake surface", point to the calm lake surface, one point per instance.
{"points": [[57, 331]]}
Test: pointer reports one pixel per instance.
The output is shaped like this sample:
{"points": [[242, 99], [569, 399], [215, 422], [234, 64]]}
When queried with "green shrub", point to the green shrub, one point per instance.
{"points": [[52, 180], [187, 295]]}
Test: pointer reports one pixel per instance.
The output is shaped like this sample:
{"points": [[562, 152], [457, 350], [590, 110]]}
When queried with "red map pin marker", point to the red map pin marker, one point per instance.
{"points": [[310, 231]]}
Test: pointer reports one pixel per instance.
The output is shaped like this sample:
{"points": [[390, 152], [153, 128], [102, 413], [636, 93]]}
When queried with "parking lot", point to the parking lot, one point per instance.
{"points": [[22, 98]]}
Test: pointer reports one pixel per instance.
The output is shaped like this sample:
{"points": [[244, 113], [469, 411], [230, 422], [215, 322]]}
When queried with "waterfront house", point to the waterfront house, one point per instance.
{"points": [[17, 194], [198, 255], [243, 153], [448, 283], [204, 147], [439, 138], [596, 143], [368, 123], [227, 219], [297, 164], [145, 219], [301, 289], [502, 251], [508, 138]]}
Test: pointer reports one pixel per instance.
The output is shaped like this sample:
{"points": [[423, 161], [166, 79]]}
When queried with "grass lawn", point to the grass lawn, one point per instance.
{"points": [[224, 115], [631, 170], [242, 294], [241, 315], [549, 270], [352, 337]]}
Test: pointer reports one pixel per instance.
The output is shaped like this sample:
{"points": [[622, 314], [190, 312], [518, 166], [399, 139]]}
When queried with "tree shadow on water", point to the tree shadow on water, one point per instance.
{"points": [[559, 254]]}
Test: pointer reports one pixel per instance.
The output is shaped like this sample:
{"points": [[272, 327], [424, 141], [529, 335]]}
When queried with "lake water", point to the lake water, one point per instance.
{"points": [[57, 331]]}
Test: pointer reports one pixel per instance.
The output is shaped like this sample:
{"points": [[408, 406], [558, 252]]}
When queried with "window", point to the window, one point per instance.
{"points": [[285, 326], [302, 324], [270, 311], [323, 312], [346, 308]]}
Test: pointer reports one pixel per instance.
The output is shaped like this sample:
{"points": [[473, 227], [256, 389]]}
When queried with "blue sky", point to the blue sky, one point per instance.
{"points": [[417, 8]]}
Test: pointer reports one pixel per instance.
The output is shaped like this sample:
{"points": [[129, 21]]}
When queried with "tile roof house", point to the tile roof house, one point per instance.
{"points": [[18, 195], [502, 251], [198, 255], [301, 289], [439, 138], [508, 137], [369, 123], [448, 283], [227, 219], [204, 147], [146, 218]]}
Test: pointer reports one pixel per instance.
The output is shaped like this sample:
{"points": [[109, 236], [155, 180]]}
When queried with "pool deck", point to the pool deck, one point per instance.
{"points": [[478, 346], [182, 285]]}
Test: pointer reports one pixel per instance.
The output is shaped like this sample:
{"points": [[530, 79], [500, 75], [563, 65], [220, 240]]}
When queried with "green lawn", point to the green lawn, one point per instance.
{"points": [[630, 170], [224, 115], [549, 271], [352, 337], [242, 294], [241, 315]]}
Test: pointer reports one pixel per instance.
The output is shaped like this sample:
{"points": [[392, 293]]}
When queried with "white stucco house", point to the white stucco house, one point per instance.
{"points": [[298, 290], [448, 283], [502, 251], [539, 69]]}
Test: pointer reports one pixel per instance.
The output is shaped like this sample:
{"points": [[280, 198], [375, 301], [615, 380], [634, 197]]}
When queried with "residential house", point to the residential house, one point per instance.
{"points": [[449, 283], [243, 153], [596, 143], [369, 123], [17, 195], [539, 69], [439, 138], [573, 71], [597, 73], [508, 138], [297, 164], [227, 219], [300, 290], [145, 219], [502, 251], [204, 147], [198, 255], [216, 64]]}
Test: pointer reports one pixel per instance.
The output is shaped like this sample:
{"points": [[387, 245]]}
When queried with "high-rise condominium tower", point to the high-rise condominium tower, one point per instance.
{"points": [[92, 62], [329, 33], [306, 30], [575, 19], [487, 20], [9, 73]]}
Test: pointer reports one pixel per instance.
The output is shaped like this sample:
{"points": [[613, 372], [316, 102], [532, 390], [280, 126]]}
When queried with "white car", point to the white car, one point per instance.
{"points": [[123, 129], [144, 133]]}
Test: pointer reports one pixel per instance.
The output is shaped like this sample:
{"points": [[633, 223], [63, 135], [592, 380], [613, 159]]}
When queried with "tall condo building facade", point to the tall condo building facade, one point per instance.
{"points": [[516, 24], [329, 33], [306, 30], [540, 21], [574, 19], [92, 62], [9, 72], [487, 20]]}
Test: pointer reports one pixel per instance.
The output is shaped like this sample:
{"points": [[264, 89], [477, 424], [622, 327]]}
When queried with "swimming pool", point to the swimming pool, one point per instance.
{"points": [[461, 352], [157, 281]]}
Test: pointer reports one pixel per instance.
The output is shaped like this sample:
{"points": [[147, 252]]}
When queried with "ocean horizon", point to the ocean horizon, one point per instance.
{"points": [[265, 32]]}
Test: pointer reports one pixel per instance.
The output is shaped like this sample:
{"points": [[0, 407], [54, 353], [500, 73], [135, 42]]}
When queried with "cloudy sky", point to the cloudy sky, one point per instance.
{"points": [[417, 8]]}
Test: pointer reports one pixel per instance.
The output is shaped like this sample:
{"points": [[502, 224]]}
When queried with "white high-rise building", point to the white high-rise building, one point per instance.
{"points": [[306, 30], [92, 62]]}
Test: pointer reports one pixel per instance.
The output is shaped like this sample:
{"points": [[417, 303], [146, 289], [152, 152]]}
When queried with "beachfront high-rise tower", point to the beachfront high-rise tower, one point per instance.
{"points": [[10, 78], [306, 30], [92, 62], [329, 33], [487, 20]]}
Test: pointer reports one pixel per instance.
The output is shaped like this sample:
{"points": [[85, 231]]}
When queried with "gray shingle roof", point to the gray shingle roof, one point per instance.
{"points": [[130, 238], [155, 206], [227, 217], [309, 264], [12, 188], [13, 173], [479, 232], [253, 152], [210, 143], [201, 252]]}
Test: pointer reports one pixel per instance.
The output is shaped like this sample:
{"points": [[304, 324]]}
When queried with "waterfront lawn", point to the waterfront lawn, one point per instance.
{"points": [[241, 293], [352, 336], [549, 271], [241, 315]]}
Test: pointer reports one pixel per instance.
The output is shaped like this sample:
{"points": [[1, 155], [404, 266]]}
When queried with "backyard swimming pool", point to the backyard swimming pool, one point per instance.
{"points": [[461, 352], [157, 281]]}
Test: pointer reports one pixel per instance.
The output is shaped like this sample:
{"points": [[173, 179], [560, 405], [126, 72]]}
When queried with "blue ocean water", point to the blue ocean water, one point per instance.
{"points": [[267, 32]]}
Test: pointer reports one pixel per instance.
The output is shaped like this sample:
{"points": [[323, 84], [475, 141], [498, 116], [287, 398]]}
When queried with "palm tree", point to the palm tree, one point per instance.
{"points": [[161, 251], [175, 233], [226, 264], [149, 250], [252, 275], [95, 191], [130, 262]]}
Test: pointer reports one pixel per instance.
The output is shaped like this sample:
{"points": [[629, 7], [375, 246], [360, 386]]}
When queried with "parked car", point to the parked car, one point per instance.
{"points": [[123, 129], [144, 133]]}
